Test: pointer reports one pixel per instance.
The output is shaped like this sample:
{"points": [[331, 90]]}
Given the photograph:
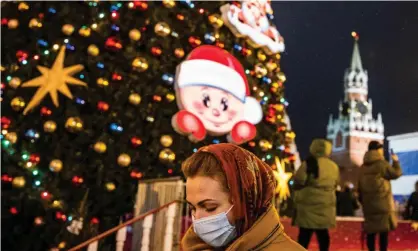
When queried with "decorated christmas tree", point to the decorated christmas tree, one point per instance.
{"points": [[94, 99]]}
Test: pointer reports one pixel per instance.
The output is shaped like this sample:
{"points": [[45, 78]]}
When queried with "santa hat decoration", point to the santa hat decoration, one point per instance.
{"points": [[212, 66]]}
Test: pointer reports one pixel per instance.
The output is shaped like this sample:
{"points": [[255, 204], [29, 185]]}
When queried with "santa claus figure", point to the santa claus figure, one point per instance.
{"points": [[214, 97]]}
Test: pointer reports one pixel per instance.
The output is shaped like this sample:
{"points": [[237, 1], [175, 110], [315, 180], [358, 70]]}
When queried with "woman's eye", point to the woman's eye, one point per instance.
{"points": [[206, 100], [210, 209], [224, 104]]}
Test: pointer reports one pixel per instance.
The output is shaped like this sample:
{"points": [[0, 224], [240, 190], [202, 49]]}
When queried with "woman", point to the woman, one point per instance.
{"points": [[376, 195], [230, 193], [315, 200]]}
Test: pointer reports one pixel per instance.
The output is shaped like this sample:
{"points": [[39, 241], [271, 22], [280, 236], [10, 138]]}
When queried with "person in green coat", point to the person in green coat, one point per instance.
{"points": [[376, 194], [316, 181]]}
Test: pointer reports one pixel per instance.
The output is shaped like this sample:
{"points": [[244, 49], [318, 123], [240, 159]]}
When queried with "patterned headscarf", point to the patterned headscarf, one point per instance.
{"points": [[251, 182]]}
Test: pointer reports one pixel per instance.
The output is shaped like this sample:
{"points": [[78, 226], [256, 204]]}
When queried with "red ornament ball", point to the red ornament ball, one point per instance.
{"points": [[94, 221], [156, 51], [102, 106], [34, 158], [45, 111], [13, 210]]}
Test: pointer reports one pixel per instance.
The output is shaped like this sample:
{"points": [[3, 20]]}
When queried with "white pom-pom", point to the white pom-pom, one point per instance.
{"points": [[252, 110]]}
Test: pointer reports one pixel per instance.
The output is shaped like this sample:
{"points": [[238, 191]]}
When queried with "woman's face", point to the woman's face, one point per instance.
{"points": [[206, 198]]}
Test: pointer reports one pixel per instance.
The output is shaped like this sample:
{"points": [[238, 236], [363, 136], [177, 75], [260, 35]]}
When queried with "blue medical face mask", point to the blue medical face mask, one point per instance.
{"points": [[215, 230]]}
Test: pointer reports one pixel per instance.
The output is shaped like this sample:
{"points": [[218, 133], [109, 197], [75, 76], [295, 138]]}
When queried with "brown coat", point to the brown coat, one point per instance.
{"points": [[266, 234], [376, 192]]}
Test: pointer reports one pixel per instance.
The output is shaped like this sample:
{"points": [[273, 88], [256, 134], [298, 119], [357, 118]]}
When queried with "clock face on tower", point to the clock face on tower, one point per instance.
{"points": [[362, 108]]}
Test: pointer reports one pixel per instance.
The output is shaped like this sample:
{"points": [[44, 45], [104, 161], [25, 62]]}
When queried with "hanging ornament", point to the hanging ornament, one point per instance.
{"points": [[84, 31], [135, 141], [68, 29], [15, 82], [134, 34], [35, 23], [169, 3], [271, 66], [134, 98], [280, 75], [19, 182], [93, 50], [23, 6], [124, 160], [179, 52], [62, 245], [100, 147], [216, 20], [261, 55], [162, 29], [170, 97], [13, 23], [55, 165], [166, 140], [75, 227], [74, 124], [282, 178], [50, 126], [57, 204], [11, 137], [166, 155], [140, 64], [102, 82], [195, 41], [265, 145], [113, 43], [260, 70], [110, 186], [17, 103]]}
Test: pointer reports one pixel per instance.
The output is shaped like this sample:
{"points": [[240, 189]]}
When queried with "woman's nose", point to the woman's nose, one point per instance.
{"points": [[216, 113]]}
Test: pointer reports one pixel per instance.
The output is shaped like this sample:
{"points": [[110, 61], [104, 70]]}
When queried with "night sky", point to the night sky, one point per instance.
{"points": [[318, 50]]}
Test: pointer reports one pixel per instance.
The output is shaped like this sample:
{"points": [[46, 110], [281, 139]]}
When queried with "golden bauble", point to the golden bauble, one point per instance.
{"points": [[93, 50], [19, 181], [166, 140], [15, 82], [124, 160], [281, 76], [13, 23], [23, 6], [134, 98], [17, 103], [166, 155], [74, 124], [260, 70], [84, 31], [35, 23], [11, 137], [179, 52], [170, 97], [57, 204], [271, 66], [67, 29], [261, 55], [162, 29], [50, 126], [169, 3], [265, 145], [62, 245], [102, 82], [100, 147], [140, 64], [134, 34], [55, 165], [110, 186], [216, 20]]}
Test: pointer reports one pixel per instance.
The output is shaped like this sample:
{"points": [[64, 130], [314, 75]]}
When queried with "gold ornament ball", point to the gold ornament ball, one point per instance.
{"points": [[124, 160], [166, 155], [15, 82], [67, 29], [179, 52], [281, 76], [261, 55], [265, 145], [110, 186], [260, 70], [17, 103], [140, 64], [35, 23], [50, 126], [100, 147], [170, 97], [13, 23], [162, 29], [93, 50], [11, 137], [74, 124], [216, 20], [169, 3], [134, 34], [23, 6], [134, 98], [166, 140], [57, 204], [19, 182], [271, 66], [62, 245], [84, 31], [102, 82], [55, 165]]}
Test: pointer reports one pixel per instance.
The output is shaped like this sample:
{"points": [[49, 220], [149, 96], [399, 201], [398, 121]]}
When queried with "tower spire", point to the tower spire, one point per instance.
{"points": [[355, 58]]}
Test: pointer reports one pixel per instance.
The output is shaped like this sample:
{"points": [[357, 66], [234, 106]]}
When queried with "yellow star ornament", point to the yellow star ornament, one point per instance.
{"points": [[282, 180], [53, 80]]}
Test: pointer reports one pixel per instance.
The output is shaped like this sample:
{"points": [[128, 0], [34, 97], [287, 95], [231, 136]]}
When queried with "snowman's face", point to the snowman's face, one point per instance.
{"points": [[218, 110]]}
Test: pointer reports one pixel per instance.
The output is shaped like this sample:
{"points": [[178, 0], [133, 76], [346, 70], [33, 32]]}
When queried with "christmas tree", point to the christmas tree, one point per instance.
{"points": [[109, 69]]}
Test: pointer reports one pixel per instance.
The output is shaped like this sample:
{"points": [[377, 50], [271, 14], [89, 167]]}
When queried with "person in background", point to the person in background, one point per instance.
{"points": [[315, 199], [230, 192], [347, 202], [376, 194], [412, 205]]}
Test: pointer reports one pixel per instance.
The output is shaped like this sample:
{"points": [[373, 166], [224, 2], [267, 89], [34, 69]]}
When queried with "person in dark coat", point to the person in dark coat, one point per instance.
{"points": [[376, 194], [412, 205], [347, 202]]}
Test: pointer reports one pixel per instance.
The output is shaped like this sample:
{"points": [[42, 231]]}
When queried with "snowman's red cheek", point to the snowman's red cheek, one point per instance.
{"points": [[232, 113], [198, 105]]}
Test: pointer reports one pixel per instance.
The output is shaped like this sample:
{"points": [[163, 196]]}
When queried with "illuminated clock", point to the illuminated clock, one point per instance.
{"points": [[362, 108]]}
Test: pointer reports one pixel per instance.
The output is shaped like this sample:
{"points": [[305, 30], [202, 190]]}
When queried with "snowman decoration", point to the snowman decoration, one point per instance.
{"points": [[214, 97], [250, 20]]}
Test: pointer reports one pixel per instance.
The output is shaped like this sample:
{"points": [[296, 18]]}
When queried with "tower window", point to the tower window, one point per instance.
{"points": [[339, 139]]}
